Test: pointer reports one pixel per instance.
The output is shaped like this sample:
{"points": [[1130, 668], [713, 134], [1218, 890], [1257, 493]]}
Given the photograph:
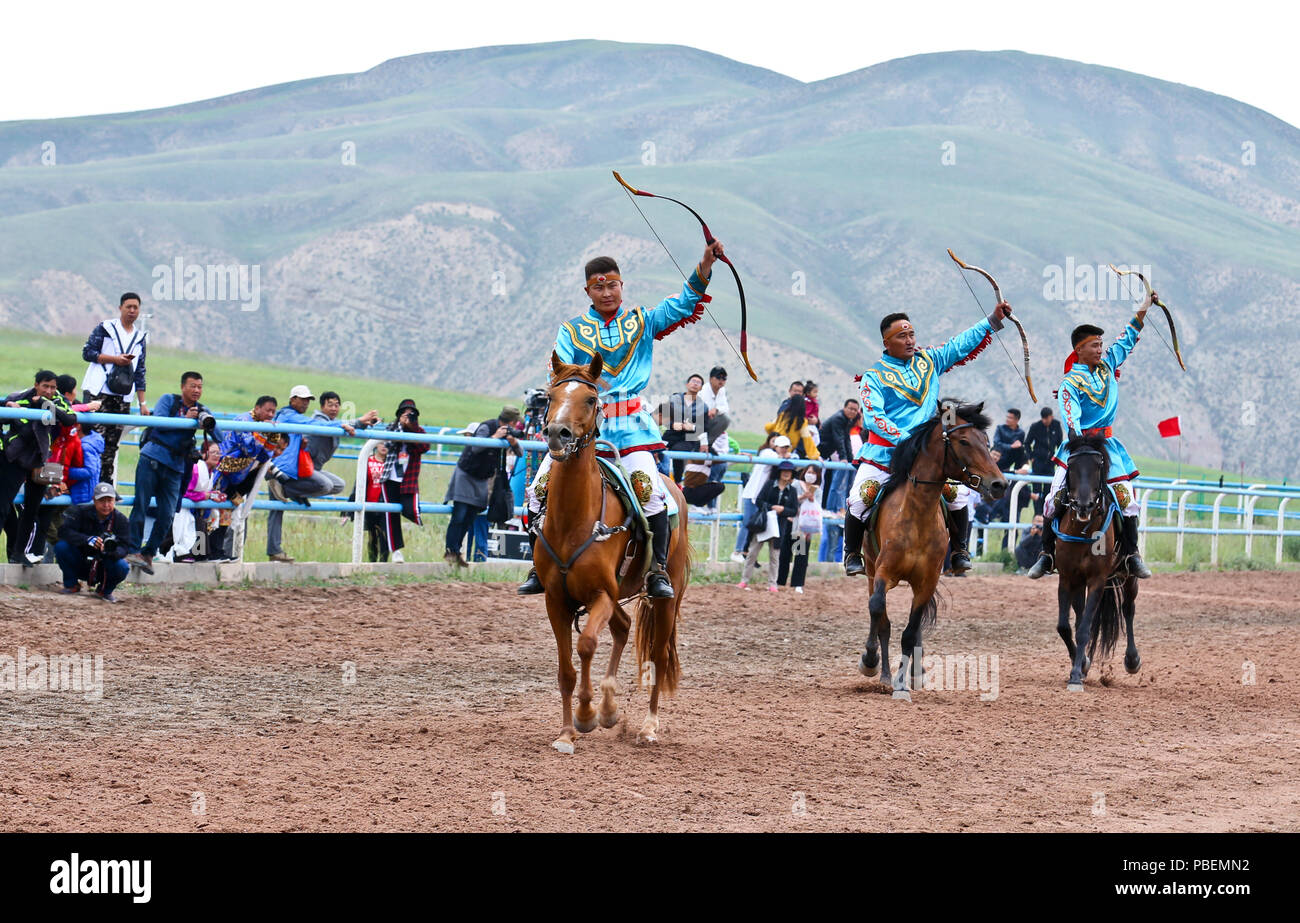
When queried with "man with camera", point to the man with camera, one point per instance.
{"points": [[166, 458], [92, 545], [116, 352]]}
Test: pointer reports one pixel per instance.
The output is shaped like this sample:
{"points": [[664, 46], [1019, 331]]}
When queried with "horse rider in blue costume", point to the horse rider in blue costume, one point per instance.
{"points": [[624, 336], [1088, 399], [900, 392]]}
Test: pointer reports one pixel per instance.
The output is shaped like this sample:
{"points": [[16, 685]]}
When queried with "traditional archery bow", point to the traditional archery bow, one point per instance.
{"points": [[743, 354], [1173, 331], [1024, 340]]}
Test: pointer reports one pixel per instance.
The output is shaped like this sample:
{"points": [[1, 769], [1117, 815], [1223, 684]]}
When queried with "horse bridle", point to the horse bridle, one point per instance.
{"points": [[1085, 514], [573, 446], [973, 481]]}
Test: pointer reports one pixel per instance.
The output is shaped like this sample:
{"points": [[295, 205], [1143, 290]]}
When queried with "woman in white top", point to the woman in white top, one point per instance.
{"points": [[758, 475]]}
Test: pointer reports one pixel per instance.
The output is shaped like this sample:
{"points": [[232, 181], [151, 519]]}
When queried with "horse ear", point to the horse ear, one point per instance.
{"points": [[979, 408], [597, 363], [556, 364]]}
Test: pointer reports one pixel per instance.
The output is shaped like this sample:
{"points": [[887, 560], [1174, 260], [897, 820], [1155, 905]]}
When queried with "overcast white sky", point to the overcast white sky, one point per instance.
{"points": [[80, 58]]}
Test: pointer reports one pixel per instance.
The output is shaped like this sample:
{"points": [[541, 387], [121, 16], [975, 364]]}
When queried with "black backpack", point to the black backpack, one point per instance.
{"points": [[476, 462]]}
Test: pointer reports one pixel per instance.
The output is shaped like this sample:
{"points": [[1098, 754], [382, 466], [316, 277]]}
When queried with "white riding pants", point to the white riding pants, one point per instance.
{"points": [[634, 461]]}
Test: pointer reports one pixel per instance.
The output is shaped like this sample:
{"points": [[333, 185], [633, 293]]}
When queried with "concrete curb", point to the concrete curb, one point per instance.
{"points": [[270, 572]]}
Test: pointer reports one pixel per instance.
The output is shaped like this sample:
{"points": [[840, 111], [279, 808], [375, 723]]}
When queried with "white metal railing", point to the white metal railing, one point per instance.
{"points": [[1176, 511]]}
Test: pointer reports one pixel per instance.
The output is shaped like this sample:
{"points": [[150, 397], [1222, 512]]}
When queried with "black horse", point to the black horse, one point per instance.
{"points": [[1092, 578]]}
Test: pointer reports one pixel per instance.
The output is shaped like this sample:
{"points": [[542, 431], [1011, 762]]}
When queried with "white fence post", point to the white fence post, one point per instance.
{"points": [[1214, 524], [1182, 525], [1281, 527], [1143, 506], [362, 482]]}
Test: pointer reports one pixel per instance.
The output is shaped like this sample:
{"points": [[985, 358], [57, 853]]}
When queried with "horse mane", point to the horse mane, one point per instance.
{"points": [[1098, 443], [907, 451]]}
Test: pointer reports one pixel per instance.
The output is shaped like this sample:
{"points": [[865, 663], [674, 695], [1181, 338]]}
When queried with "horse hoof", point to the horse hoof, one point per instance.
{"points": [[902, 695], [608, 721], [645, 737], [1074, 687], [584, 727], [867, 669], [564, 746], [1135, 665]]}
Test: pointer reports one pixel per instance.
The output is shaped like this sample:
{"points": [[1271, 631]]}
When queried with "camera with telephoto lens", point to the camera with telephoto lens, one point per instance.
{"points": [[107, 545], [207, 422]]}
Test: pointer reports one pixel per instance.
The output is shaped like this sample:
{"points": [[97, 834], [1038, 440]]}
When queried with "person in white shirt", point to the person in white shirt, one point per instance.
{"points": [[779, 448], [718, 421], [115, 350]]}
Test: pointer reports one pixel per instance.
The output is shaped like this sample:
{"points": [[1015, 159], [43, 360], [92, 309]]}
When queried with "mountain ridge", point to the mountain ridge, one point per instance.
{"points": [[459, 230]]}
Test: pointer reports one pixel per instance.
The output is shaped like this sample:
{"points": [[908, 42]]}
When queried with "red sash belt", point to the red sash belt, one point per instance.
{"points": [[874, 439], [1103, 431], [622, 408]]}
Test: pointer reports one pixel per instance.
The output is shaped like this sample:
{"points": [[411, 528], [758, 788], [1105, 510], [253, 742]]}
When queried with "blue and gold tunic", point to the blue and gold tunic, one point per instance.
{"points": [[898, 396], [1089, 399], [626, 343]]}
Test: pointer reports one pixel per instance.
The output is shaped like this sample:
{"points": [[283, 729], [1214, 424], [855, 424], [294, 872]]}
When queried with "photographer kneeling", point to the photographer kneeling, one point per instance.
{"points": [[92, 545], [166, 458]]}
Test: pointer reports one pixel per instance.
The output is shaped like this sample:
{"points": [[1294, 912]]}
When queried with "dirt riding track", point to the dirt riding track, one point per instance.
{"points": [[229, 710]]}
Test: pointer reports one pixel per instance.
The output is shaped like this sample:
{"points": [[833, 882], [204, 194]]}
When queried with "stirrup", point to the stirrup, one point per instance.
{"points": [[1137, 567], [658, 586], [532, 586], [959, 562], [854, 566], [1042, 567]]}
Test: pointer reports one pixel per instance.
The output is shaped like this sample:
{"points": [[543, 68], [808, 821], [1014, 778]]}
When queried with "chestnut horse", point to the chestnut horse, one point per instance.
{"points": [[580, 570], [910, 535], [1092, 579]]}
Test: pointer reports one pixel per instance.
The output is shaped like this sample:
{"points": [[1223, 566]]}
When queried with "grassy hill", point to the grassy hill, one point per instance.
{"points": [[429, 217], [232, 385]]}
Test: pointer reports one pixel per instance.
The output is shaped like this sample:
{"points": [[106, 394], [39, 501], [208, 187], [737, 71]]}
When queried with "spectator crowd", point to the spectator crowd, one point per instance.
{"points": [[784, 506]]}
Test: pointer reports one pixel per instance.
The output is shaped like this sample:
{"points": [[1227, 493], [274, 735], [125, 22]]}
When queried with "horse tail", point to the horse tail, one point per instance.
{"points": [[651, 625], [930, 613], [654, 624], [1106, 626]]}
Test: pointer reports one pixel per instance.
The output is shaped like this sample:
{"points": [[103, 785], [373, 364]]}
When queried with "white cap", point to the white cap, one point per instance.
{"points": [[470, 429], [302, 391], [781, 441]]}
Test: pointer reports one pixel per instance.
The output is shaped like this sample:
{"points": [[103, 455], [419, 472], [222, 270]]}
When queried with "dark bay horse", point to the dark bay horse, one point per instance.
{"points": [[1088, 562], [582, 528], [910, 535]]}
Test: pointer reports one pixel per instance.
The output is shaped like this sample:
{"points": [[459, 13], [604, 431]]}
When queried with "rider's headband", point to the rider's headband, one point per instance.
{"points": [[897, 327], [603, 277]]}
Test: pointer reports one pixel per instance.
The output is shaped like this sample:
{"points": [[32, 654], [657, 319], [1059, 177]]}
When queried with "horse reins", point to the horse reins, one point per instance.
{"points": [[973, 481], [1089, 535]]}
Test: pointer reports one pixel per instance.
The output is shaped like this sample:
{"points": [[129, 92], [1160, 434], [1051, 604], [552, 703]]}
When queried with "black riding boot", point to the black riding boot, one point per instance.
{"points": [[958, 526], [1128, 539], [657, 585], [1046, 562], [532, 586], [854, 531]]}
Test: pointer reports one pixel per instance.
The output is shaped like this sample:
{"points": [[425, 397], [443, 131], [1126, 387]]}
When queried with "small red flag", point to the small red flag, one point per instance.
{"points": [[1170, 427]]}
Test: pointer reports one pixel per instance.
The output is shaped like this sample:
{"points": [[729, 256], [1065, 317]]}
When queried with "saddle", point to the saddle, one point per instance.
{"points": [[619, 482], [873, 514]]}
